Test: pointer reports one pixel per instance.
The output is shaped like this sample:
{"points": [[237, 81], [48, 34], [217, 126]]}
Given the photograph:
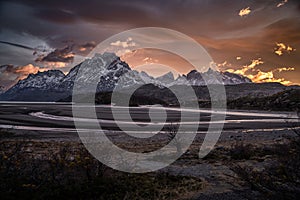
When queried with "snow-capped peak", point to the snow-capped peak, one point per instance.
{"points": [[111, 73], [45, 80], [214, 77]]}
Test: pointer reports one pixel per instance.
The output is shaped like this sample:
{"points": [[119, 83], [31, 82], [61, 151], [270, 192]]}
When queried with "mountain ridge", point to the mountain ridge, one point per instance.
{"points": [[115, 74]]}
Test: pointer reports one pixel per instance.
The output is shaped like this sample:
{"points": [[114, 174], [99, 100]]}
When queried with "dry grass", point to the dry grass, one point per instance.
{"points": [[51, 170]]}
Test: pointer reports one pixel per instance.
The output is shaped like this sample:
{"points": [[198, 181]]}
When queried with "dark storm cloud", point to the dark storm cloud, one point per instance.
{"points": [[88, 45], [85, 48], [64, 55], [67, 53], [7, 68], [213, 18], [55, 15], [214, 23], [95, 10], [7, 76]]}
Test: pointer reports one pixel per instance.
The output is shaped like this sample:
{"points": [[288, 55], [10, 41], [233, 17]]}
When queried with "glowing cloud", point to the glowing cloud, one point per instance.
{"points": [[86, 47], [246, 68], [54, 65], [24, 71], [222, 65], [258, 76], [124, 44], [267, 77], [284, 69], [58, 55], [281, 48], [278, 52], [281, 3], [244, 12], [238, 58], [149, 60], [10, 75], [28, 69]]}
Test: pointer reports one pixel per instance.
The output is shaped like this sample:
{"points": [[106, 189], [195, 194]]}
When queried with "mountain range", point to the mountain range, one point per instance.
{"points": [[54, 85]]}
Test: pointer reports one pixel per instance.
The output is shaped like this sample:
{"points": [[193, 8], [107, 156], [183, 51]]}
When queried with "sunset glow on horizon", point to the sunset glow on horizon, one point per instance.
{"points": [[45, 34]]}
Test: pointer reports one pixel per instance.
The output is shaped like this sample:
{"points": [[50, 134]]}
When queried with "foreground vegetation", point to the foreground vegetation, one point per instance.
{"points": [[51, 170], [283, 101], [54, 169]]}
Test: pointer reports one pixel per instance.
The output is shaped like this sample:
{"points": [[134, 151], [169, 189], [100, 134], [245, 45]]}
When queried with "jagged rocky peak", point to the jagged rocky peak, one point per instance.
{"points": [[197, 73], [181, 80], [195, 78], [49, 73], [168, 76], [42, 86], [42, 79], [235, 78], [108, 57], [144, 73], [106, 69], [166, 79], [215, 77], [106, 60], [108, 66], [111, 73]]}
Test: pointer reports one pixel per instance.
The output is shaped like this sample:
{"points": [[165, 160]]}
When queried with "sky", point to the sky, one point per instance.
{"points": [[256, 38]]}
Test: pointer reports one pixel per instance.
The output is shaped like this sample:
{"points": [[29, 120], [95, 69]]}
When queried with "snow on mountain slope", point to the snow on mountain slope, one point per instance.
{"points": [[226, 78], [44, 80], [114, 74], [43, 86]]}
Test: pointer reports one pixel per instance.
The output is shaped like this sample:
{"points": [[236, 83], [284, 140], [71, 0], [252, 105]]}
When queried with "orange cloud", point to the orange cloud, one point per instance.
{"points": [[284, 69], [10, 75], [24, 71], [264, 77], [244, 12], [281, 3], [149, 60], [220, 65], [82, 49], [281, 48], [54, 65], [125, 44], [246, 68], [259, 76]]}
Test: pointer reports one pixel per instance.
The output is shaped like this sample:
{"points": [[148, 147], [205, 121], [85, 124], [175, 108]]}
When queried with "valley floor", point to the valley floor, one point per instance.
{"points": [[252, 160], [243, 165]]}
